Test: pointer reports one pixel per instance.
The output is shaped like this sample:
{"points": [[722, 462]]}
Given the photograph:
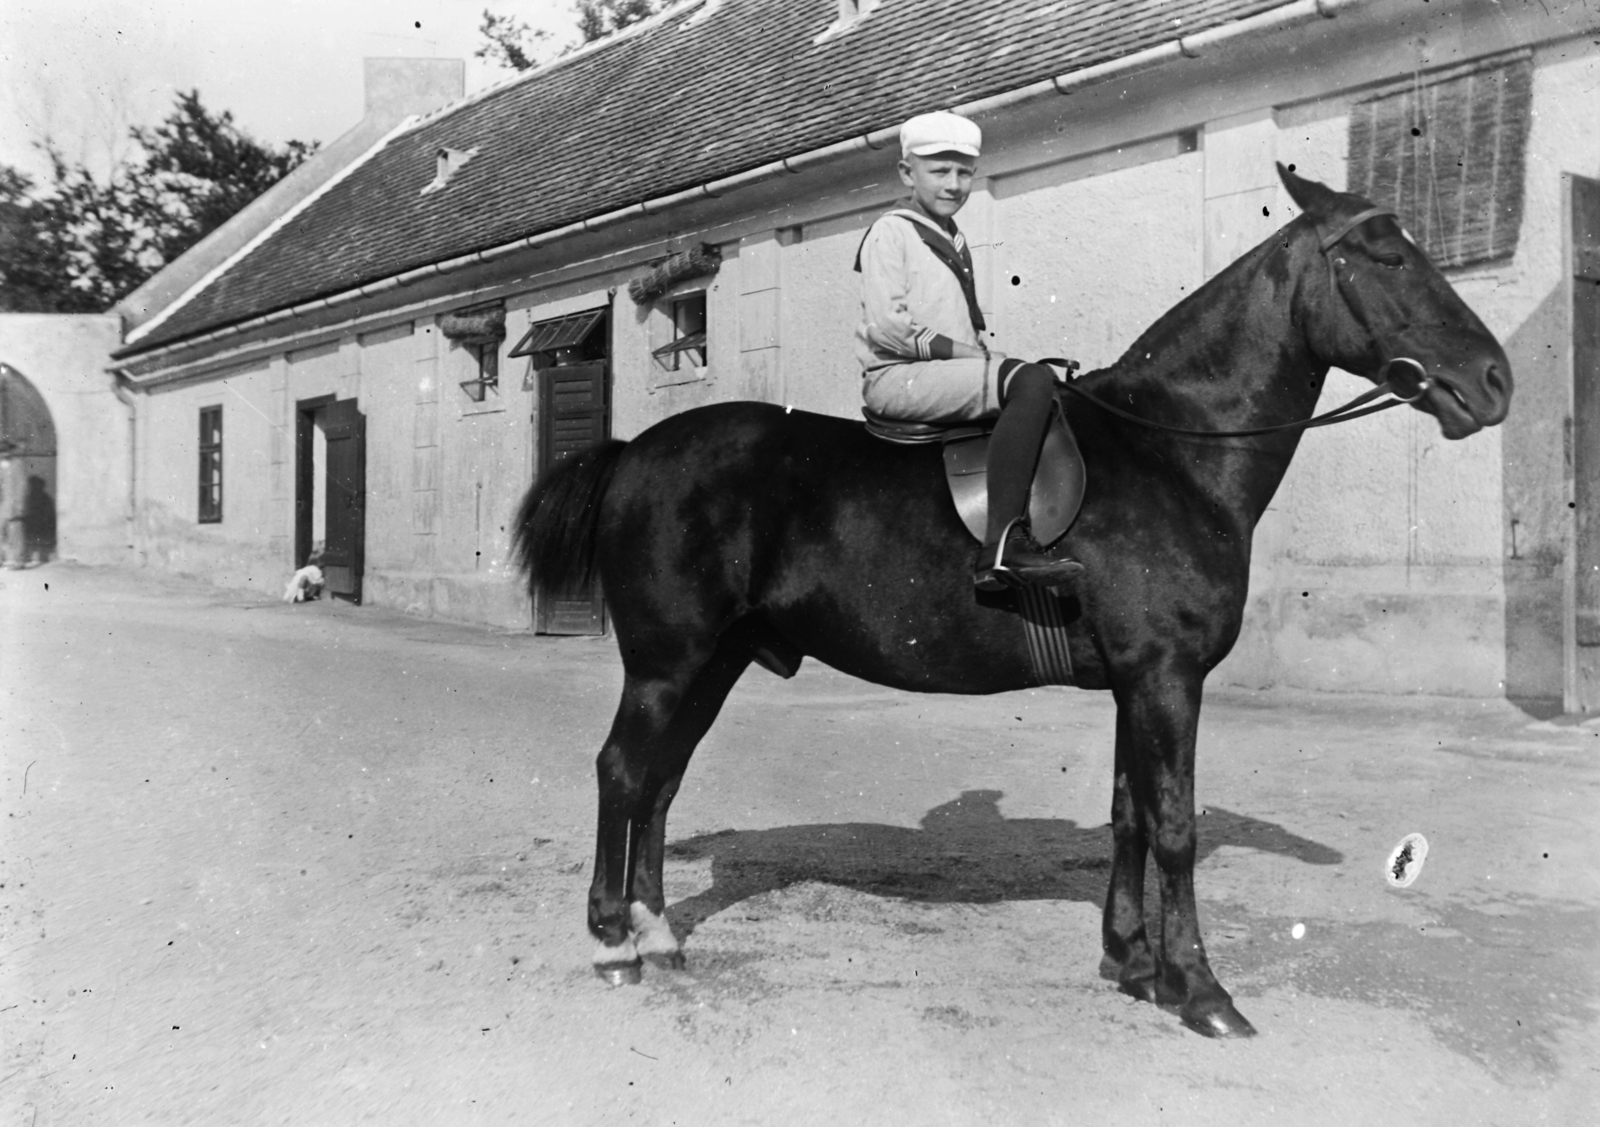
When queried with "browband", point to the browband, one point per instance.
{"points": [[1355, 221]]}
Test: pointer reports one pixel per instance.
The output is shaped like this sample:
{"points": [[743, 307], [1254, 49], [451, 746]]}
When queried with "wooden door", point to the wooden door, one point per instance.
{"points": [[342, 555], [573, 415]]}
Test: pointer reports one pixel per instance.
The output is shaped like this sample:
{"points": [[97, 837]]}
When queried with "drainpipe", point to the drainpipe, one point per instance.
{"points": [[120, 389], [1204, 44]]}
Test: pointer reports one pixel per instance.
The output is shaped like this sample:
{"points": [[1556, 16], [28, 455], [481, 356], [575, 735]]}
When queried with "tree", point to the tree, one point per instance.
{"points": [[87, 243], [511, 43], [198, 172], [600, 18], [37, 265]]}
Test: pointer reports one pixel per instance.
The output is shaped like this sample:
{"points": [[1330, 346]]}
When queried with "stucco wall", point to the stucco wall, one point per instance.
{"points": [[233, 552], [64, 357]]}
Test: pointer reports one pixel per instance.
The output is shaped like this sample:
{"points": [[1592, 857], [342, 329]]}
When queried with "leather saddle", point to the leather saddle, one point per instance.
{"points": [[1058, 480]]}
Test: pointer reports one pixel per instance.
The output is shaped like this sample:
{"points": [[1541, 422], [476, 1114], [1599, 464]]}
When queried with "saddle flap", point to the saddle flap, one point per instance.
{"points": [[1053, 499]]}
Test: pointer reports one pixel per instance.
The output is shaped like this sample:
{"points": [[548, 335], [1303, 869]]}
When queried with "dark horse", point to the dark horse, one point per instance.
{"points": [[744, 532]]}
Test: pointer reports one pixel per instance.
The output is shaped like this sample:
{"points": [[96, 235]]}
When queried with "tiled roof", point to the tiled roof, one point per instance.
{"points": [[682, 102]]}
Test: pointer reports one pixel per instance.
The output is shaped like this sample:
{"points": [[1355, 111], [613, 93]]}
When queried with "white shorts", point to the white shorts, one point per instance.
{"points": [[935, 391]]}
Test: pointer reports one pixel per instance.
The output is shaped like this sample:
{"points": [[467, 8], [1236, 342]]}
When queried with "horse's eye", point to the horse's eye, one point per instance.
{"points": [[1392, 261]]}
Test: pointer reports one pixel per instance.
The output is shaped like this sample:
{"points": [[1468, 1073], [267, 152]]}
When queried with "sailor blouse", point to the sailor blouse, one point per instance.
{"points": [[912, 302]]}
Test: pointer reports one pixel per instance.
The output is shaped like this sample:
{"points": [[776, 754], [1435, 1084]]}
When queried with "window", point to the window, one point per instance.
{"points": [[687, 348], [478, 332], [486, 355], [1447, 154], [851, 12], [210, 465]]}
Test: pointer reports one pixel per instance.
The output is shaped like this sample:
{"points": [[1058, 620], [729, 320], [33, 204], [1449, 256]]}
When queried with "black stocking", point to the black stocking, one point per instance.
{"points": [[1027, 399]]}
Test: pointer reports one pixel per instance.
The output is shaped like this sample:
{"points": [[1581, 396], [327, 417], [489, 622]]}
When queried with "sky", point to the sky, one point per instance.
{"points": [[83, 71]]}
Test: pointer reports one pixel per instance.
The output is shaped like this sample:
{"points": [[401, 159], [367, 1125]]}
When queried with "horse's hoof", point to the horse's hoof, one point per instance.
{"points": [[620, 974], [1219, 1021], [666, 960], [1143, 989]]}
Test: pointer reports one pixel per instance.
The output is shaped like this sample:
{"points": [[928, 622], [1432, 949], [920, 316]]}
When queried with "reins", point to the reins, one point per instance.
{"points": [[1343, 413]]}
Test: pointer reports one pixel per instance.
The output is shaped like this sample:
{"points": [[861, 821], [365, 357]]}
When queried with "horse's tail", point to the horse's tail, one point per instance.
{"points": [[554, 539]]}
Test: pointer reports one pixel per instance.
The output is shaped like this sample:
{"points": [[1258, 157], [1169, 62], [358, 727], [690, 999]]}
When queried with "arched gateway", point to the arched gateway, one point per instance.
{"points": [[27, 472]]}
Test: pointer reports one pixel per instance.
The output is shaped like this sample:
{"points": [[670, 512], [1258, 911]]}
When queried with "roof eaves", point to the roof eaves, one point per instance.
{"points": [[263, 235]]}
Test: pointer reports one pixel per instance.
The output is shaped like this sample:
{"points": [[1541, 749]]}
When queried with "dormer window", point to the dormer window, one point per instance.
{"points": [[851, 12], [450, 162]]}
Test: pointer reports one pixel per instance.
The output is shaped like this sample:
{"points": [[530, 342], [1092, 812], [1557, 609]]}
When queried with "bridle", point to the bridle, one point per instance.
{"points": [[1354, 409]]}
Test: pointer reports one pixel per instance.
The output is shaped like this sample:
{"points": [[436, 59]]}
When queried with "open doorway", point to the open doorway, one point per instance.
{"points": [[27, 473], [331, 492]]}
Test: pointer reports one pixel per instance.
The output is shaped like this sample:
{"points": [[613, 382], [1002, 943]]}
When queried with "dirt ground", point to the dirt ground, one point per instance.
{"points": [[320, 864]]}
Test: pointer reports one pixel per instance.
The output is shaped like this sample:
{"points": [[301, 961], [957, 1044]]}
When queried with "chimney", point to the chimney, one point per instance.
{"points": [[399, 87]]}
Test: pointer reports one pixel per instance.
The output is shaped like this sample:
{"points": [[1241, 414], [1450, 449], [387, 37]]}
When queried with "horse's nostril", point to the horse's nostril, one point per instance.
{"points": [[1497, 381]]}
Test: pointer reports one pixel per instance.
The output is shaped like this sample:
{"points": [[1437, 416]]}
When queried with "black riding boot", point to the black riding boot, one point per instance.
{"points": [[1010, 555]]}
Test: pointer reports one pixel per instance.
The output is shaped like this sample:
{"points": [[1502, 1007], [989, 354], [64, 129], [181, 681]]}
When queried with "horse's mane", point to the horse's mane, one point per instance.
{"points": [[1178, 322]]}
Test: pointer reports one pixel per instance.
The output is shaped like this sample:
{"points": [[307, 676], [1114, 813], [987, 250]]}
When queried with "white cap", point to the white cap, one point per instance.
{"points": [[940, 132]]}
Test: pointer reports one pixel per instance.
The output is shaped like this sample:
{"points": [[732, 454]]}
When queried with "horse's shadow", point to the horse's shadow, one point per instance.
{"points": [[965, 852]]}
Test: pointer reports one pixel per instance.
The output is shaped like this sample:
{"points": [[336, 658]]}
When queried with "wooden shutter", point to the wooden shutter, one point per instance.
{"points": [[573, 416], [1447, 153]]}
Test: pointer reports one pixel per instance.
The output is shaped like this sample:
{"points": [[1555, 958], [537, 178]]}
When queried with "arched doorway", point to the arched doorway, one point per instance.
{"points": [[27, 472]]}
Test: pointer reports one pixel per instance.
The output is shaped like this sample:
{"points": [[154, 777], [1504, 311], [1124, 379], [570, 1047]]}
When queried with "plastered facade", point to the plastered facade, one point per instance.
{"points": [[1384, 564]]}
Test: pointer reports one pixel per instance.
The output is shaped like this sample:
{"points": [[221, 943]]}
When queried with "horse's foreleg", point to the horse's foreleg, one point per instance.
{"points": [[1163, 717], [696, 711], [1128, 956]]}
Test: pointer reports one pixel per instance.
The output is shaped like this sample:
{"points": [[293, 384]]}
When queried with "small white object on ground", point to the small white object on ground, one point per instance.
{"points": [[305, 584], [1298, 931], [1405, 860]]}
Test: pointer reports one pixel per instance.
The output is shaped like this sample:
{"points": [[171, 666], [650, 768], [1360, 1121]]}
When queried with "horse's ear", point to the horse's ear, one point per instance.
{"points": [[1316, 200]]}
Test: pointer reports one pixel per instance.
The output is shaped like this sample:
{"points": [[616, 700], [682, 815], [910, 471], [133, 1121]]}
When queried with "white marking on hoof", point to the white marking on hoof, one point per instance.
{"points": [[623, 953], [651, 933]]}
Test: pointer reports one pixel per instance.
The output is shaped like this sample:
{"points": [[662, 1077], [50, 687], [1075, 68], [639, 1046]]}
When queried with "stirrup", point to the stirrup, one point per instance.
{"points": [[999, 575], [991, 578]]}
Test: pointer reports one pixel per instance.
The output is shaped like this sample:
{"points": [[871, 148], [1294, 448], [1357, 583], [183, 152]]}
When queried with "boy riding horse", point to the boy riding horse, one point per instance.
{"points": [[922, 353]]}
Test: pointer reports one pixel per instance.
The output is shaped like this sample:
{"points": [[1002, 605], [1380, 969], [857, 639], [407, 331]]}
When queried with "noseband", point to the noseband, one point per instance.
{"points": [[1351, 410]]}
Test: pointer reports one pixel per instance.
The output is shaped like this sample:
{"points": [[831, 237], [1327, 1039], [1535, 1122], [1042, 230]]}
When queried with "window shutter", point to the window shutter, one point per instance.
{"points": [[1447, 154], [573, 410]]}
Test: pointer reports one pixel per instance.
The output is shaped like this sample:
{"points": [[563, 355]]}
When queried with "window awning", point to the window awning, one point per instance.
{"points": [[558, 332], [682, 344]]}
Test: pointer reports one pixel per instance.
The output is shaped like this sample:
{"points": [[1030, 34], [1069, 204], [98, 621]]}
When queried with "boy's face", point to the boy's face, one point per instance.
{"points": [[940, 183]]}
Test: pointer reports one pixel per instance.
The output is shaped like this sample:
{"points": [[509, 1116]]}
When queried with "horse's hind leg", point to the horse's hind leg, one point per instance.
{"points": [[658, 725]]}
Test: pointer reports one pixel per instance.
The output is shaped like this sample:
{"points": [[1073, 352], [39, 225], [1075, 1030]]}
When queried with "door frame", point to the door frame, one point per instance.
{"points": [[1580, 693]]}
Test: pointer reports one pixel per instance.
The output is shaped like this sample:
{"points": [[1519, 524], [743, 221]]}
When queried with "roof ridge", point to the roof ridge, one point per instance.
{"points": [[583, 51], [265, 233]]}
